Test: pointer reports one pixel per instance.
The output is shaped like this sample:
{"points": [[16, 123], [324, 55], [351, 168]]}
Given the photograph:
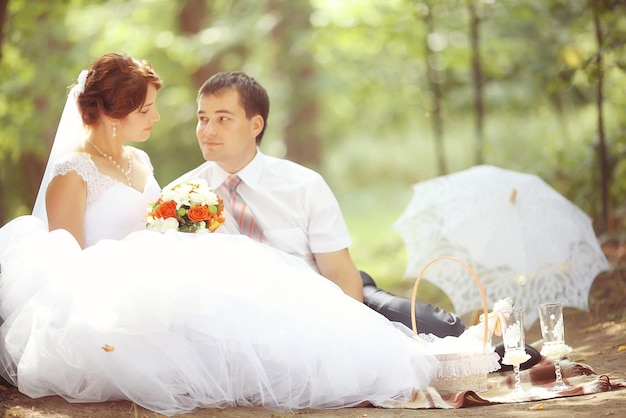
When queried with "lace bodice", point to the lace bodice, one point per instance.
{"points": [[113, 209]]}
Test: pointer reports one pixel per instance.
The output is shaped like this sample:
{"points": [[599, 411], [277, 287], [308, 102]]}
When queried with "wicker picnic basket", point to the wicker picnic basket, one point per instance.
{"points": [[461, 368]]}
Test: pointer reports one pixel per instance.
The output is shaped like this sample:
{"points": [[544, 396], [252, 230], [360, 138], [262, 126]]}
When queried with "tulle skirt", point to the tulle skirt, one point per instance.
{"points": [[174, 322]]}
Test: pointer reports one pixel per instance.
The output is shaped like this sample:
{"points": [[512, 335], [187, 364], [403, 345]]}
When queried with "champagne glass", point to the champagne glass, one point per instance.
{"points": [[512, 324], [553, 333]]}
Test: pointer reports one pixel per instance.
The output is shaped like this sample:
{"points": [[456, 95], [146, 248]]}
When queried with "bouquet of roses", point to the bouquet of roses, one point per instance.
{"points": [[190, 206]]}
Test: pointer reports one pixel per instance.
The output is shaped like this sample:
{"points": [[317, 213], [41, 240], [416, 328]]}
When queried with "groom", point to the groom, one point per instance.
{"points": [[293, 205], [293, 208]]}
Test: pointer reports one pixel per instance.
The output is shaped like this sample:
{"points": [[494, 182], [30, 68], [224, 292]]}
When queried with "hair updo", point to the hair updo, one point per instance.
{"points": [[116, 85]]}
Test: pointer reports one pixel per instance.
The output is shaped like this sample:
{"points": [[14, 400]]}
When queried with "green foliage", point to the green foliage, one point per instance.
{"points": [[371, 60]]}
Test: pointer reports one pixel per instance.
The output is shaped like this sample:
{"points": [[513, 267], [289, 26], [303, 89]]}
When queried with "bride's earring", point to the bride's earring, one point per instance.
{"points": [[114, 130]]}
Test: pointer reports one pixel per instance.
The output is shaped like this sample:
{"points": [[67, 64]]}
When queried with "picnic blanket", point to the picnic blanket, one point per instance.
{"points": [[536, 382]]}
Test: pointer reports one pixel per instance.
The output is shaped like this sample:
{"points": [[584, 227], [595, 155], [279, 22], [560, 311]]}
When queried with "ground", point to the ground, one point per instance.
{"points": [[598, 338]]}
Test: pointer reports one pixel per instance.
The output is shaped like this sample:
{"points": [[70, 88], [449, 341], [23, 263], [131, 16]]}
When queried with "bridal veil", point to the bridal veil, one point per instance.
{"points": [[70, 133]]}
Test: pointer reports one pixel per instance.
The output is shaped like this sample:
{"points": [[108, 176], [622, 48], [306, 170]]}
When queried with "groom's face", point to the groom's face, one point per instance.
{"points": [[224, 133]]}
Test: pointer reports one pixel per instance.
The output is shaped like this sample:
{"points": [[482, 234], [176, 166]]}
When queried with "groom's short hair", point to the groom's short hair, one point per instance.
{"points": [[252, 95]]}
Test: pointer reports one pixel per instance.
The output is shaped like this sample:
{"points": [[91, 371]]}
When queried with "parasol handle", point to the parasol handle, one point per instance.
{"points": [[480, 287]]}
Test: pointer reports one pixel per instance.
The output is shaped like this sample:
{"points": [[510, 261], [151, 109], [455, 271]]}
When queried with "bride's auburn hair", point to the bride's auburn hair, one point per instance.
{"points": [[116, 85]]}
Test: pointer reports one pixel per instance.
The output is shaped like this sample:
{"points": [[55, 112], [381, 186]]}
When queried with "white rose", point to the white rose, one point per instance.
{"points": [[203, 197], [162, 225]]}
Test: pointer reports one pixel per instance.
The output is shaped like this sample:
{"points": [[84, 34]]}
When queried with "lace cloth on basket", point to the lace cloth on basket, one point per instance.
{"points": [[468, 354]]}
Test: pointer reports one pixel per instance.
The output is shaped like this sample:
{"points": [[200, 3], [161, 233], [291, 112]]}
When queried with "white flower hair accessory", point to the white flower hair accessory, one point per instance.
{"points": [[82, 80]]}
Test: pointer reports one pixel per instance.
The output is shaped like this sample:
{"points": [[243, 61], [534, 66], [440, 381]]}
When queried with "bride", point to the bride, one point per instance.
{"points": [[96, 307]]}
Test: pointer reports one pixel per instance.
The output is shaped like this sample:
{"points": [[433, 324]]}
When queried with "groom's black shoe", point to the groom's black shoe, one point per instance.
{"points": [[535, 357]]}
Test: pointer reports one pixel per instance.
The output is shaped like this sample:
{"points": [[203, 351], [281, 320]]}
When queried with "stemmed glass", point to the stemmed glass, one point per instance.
{"points": [[553, 333], [512, 324]]}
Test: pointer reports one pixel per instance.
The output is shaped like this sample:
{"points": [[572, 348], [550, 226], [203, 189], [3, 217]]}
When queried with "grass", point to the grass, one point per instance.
{"points": [[377, 248]]}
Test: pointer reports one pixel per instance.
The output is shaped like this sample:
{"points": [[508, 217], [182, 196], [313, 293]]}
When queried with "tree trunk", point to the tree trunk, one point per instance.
{"points": [[33, 171], [3, 199], [477, 77], [436, 116], [3, 14], [4, 4], [295, 64], [602, 153], [194, 16]]}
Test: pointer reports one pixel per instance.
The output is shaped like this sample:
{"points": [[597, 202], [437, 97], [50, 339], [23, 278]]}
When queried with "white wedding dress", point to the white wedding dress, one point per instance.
{"points": [[178, 321]]}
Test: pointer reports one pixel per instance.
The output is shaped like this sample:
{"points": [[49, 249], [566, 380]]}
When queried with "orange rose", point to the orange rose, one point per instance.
{"points": [[198, 213], [166, 210]]}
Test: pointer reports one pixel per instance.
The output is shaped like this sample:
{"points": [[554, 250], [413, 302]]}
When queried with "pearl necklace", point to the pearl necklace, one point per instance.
{"points": [[127, 173]]}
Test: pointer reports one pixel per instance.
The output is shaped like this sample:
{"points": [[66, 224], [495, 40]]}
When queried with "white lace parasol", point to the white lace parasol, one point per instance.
{"points": [[524, 239]]}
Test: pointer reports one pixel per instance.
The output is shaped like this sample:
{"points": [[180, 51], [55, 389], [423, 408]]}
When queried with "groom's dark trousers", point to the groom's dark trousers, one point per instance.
{"points": [[429, 319]]}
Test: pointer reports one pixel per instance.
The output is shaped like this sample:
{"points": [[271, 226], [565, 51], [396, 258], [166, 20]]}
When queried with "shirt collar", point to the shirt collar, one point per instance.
{"points": [[250, 174]]}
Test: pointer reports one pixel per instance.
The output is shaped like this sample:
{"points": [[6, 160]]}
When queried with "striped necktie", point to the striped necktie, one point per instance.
{"points": [[241, 212]]}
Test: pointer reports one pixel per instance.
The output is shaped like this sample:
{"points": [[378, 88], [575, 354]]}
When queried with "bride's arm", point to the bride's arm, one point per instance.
{"points": [[66, 199]]}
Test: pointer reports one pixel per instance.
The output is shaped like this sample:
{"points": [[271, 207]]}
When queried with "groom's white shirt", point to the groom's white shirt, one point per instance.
{"points": [[293, 204]]}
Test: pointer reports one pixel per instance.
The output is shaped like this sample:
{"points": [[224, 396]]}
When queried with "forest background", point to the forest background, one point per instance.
{"points": [[375, 94]]}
